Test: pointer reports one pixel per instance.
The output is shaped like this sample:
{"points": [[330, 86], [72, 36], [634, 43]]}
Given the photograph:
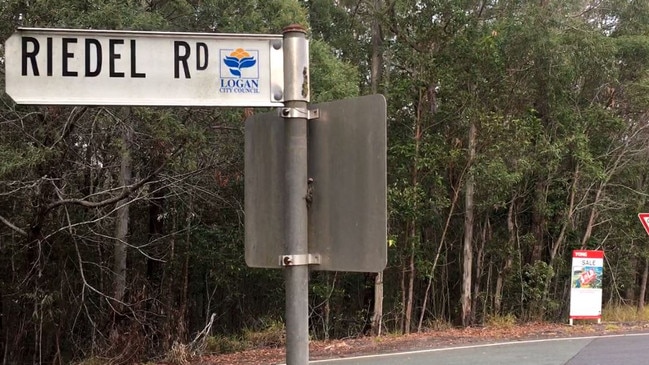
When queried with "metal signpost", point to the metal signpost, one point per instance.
{"points": [[315, 177], [296, 273]]}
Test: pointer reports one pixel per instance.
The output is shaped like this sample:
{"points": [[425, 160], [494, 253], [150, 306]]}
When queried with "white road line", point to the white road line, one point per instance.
{"points": [[473, 347]]}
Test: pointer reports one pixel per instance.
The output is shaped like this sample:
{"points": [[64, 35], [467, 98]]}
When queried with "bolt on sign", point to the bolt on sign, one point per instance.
{"points": [[92, 67]]}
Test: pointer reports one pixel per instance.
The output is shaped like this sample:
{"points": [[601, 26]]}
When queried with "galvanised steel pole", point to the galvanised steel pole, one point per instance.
{"points": [[296, 259]]}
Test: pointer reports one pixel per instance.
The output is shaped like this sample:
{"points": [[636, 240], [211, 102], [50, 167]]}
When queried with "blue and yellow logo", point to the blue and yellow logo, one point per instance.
{"points": [[238, 60], [239, 72]]}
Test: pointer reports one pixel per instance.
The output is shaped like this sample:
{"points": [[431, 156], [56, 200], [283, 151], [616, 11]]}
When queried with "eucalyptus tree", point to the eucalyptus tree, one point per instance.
{"points": [[625, 190], [528, 87]]}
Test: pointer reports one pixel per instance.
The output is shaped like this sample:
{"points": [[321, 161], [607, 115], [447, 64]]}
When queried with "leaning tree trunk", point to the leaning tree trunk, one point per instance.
{"points": [[424, 306]]}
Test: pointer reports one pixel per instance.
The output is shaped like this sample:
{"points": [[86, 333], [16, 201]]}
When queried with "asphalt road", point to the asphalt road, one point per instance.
{"points": [[630, 349]]}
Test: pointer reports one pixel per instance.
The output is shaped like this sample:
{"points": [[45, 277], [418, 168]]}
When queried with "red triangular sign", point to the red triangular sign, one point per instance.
{"points": [[644, 218]]}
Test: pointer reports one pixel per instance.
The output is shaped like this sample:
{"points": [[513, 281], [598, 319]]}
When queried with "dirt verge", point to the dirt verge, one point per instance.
{"points": [[431, 339]]}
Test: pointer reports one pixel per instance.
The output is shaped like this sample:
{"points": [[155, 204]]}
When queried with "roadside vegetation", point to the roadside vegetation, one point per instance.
{"points": [[518, 131]]}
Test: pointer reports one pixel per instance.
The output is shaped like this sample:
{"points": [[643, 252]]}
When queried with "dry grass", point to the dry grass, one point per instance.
{"points": [[501, 322], [224, 345], [92, 361], [436, 325], [271, 336], [178, 354], [625, 313]]}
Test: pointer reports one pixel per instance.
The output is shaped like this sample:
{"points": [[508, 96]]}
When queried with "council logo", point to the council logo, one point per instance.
{"points": [[239, 72]]}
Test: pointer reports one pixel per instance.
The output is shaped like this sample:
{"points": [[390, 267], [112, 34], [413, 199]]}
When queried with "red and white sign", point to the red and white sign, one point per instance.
{"points": [[586, 283], [644, 218]]}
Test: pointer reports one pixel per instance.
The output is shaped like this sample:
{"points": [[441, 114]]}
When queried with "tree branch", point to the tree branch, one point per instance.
{"points": [[12, 226], [128, 190]]}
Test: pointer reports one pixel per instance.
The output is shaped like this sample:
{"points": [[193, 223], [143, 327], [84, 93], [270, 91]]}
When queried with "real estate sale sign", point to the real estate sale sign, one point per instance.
{"points": [[586, 284]]}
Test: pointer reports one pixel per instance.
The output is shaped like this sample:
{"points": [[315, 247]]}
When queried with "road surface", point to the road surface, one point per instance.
{"points": [[629, 349]]}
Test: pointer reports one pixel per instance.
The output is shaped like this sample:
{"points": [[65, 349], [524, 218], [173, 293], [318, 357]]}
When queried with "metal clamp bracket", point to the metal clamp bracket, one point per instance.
{"points": [[299, 260], [289, 113]]}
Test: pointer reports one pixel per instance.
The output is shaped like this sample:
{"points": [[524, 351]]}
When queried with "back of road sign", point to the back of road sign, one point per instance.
{"points": [[347, 221]]}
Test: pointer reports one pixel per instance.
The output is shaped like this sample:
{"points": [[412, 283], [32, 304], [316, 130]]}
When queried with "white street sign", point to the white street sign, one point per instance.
{"points": [[88, 67]]}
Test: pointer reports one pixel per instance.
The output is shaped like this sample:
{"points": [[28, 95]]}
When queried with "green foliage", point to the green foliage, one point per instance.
{"points": [[248, 16], [92, 14], [331, 79], [13, 159], [536, 281], [536, 278]]}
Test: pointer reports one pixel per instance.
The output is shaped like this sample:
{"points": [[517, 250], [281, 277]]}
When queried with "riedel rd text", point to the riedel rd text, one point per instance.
{"points": [[92, 57]]}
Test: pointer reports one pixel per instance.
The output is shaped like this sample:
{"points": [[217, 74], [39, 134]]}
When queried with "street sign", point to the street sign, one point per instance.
{"points": [[644, 218], [347, 215], [91, 67]]}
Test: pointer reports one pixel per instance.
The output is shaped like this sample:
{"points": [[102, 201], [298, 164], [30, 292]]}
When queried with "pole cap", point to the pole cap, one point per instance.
{"points": [[294, 28]]}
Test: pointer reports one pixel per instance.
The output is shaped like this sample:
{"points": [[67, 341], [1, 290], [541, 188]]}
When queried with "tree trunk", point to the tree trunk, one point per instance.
{"points": [[538, 220], [424, 306], [630, 292], [413, 225], [184, 302], [643, 281], [411, 280], [377, 50], [404, 271], [643, 286], [479, 269], [377, 317], [377, 67], [121, 225], [326, 328], [569, 217], [498, 293], [467, 259], [592, 217]]}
